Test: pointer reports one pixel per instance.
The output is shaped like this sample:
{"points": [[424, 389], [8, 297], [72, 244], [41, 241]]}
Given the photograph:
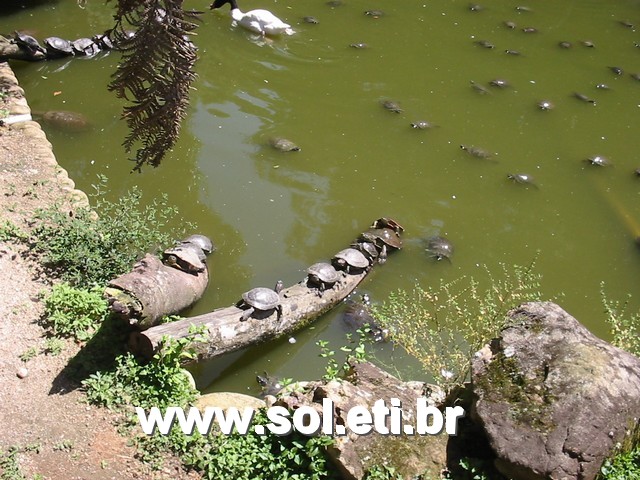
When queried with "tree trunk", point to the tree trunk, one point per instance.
{"points": [[300, 304], [227, 332], [152, 290]]}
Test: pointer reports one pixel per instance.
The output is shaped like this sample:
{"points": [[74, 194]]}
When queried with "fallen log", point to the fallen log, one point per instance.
{"points": [[226, 331], [153, 289]]}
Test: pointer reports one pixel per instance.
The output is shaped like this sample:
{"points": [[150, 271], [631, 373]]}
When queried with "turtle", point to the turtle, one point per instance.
{"points": [[479, 88], [475, 151], [360, 45], [322, 275], [474, 7], [262, 299], [439, 248], [357, 315], [270, 384], [28, 43], [635, 76], [602, 86], [58, 47], [350, 259], [382, 237], [545, 105], [185, 257], [627, 23], [284, 145], [484, 44], [64, 120], [335, 3], [422, 125], [201, 241], [616, 70], [512, 52], [522, 178], [565, 44], [598, 161], [85, 46], [582, 97], [529, 30], [311, 20], [369, 249], [636, 172], [587, 43], [103, 40], [386, 222], [499, 83], [374, 13], [392, 106], [509, 24], [523, 9]]}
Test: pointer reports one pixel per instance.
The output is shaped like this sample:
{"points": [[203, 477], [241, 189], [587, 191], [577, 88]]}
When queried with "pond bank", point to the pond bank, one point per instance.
{"points": [[44, 416]]}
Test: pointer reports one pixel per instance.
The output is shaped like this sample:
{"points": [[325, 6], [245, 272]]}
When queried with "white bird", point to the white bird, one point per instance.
{"points": [[260, 21]]}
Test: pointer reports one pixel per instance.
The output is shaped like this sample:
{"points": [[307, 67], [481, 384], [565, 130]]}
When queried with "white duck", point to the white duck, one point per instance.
{"points": [[260, 21]]}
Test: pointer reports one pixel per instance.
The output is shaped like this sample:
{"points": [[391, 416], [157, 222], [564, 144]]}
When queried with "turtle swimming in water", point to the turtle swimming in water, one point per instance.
{"points": [[392, 106], [582, 97], [439, 248], [598, 161], [270, 384], [260, 299], [476, 152], [284, 145], [357, 315], [545, 105], [422, 125], [63, 120], [522, 178]]}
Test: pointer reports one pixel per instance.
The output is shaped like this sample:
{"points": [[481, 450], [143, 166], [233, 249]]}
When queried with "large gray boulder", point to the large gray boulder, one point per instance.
{"points": [[552, 398]]}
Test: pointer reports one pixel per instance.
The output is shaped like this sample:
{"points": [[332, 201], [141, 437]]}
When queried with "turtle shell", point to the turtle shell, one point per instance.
{"points": [[28, 42], [261, 298], [84, 46], [382, 236], [201, 241], [104, 41], [351, 257], [58, 46], [439, 247], [323, 272], [184, 258], [284, 145]]}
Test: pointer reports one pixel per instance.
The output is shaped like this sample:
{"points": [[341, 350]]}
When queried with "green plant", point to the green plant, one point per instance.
{"points": [[624, 464], [357, 352], [382, 472], [625, 327], [444, 326], [28, 354], [74, 312], [10, 231], [9, 466], [85, 250], [53, 346]]}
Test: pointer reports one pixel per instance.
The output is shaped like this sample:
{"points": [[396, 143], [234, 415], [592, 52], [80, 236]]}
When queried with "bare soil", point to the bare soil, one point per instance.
{"points": [[45, 415]]}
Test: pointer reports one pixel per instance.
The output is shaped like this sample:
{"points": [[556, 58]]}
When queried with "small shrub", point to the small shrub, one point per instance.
{"points": [[445, 325], [625, 326], [86, 251], [74, 312]]}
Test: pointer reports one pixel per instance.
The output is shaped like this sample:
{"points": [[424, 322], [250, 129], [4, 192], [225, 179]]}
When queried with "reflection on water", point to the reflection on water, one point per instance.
{"points": [[274, 213]]}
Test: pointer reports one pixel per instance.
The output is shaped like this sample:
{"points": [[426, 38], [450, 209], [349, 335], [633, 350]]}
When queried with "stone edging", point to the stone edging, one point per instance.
{"points": [[41, 147]]}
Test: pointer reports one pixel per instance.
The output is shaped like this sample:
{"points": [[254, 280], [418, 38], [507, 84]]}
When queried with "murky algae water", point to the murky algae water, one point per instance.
{"points": [[272, 213]]}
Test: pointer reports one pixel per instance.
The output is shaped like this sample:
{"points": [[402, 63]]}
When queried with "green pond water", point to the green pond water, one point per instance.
{"points": [[271, 214]]}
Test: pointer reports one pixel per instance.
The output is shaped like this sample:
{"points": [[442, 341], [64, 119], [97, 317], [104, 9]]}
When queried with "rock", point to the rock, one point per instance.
{"points": [[224, 400], [552, 398], [22, 372], [354, 454]]}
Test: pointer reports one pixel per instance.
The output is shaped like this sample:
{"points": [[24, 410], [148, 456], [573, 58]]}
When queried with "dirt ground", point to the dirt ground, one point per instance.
{"points": [[44, 415]]}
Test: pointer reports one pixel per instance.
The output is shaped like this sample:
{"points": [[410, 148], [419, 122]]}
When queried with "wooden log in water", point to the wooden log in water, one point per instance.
{"points": [[226, 331], [152, 290]]}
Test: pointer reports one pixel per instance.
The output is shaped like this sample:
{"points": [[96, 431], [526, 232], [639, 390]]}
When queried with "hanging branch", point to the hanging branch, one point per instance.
{"points": [[155, 73]]}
